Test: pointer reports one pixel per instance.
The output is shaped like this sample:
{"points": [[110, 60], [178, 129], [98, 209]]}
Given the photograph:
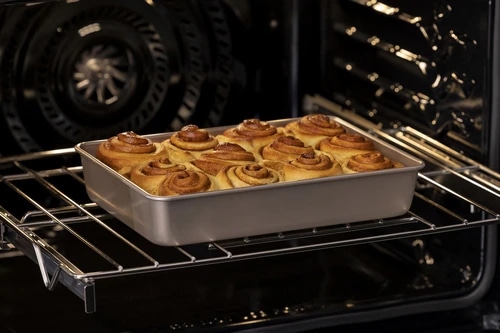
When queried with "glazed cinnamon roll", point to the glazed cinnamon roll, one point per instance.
{"points": [[310, 165], [188, 143], [371, 161], [311, 129], [123, 151], [251, 134], [346, 145], [251, 174], [149, 176], [223, 155], [285, 148], [186, 182]]}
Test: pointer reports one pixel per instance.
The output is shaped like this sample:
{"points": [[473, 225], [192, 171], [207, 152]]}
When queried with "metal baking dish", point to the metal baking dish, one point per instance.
{"points": [[243, 212]]}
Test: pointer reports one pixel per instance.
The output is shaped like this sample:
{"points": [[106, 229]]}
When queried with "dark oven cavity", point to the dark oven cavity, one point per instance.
{"points": [[416, 76], [84, 70]]}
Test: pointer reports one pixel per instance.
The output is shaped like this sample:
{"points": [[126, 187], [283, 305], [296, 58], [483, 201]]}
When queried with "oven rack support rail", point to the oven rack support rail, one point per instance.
{"points": [[22, 232]]}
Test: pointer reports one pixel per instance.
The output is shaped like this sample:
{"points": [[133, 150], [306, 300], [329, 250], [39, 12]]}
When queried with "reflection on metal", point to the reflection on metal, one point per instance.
{"points": [[101, 73], [414, 100], [89, 29], [424, 65], [456, 108], [78, 212]]}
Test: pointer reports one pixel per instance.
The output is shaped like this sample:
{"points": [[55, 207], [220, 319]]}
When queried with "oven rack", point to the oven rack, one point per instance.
{"points": [[49, 234]]}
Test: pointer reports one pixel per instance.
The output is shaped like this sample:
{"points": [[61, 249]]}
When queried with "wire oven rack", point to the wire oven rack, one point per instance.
{"points": [[69, 236]]}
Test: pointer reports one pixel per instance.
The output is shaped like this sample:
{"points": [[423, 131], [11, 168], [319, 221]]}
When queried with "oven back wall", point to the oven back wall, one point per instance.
{"points": [[78, 71], [428, 65]]}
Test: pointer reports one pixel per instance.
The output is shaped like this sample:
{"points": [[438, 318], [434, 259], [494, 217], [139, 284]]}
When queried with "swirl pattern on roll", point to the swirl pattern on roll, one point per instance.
{"points": [[222, 155], [149, 175], [313, 128], [252, 153], [251, 134], [124, 150], [186, 182], [285, 148], [252, 174], [371, 161], [345, 145], [189, 142], [311, 165]]}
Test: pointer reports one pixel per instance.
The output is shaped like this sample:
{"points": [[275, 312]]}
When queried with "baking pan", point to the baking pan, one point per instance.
{"points": [[256, 210]]}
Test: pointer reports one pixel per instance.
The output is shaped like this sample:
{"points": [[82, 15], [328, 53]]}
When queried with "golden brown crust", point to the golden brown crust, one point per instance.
{"points": [[285, 148], [311, 165], [251, 174], [366, 162], [345, 145], [192, 160], [150, 175], [186, 182], [251, 134], [189, 143], [123, 151], [224, 154], [311, 129]]}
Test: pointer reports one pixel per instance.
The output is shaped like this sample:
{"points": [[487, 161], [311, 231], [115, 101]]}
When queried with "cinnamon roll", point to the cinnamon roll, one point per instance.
{"points": [[365, 162], [310, 165], [123, 151], [251, 134], [149, 176], [186, 182], [285, 148], [311, 129], [222, 155], [189, 143], [346, 145], [252, 174]]}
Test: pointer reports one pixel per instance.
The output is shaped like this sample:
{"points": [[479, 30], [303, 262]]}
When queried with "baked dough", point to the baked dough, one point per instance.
{"points": [[311, 129], [310, 165], [222, 155], [127, 149], [186, 182], [346, 145], [365, 162], [251, 134], [189, 143], [150, 175], [252, 174], [285, 148]]}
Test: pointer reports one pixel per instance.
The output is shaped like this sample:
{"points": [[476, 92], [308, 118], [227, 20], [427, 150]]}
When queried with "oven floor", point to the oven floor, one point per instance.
{"points": [[27, 306]]}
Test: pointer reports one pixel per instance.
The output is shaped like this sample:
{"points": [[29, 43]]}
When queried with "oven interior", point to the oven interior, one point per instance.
{"points": [[417, 76]]}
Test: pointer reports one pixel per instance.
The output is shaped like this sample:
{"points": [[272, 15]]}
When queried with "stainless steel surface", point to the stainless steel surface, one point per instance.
{"points": [[258, 210], [73, 223]]}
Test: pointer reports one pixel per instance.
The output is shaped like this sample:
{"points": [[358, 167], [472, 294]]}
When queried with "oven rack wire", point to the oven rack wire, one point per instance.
{"points": [[442, 188]]}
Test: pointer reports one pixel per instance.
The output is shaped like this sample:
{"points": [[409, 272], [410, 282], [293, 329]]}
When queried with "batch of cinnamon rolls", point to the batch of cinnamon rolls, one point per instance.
{"points": [[251, 153]]}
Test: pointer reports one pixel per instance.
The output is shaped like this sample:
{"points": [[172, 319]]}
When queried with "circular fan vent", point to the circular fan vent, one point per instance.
{"points": [[86, 70]]}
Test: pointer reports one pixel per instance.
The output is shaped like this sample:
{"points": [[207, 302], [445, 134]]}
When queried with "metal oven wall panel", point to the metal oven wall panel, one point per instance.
{"points": [[299, 292], [427, 64]]}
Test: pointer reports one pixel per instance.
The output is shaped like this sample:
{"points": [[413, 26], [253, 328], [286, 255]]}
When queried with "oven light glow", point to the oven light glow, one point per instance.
{"points": [[374, 40], [385, 9], [422, 66], [89, 29], [407, 55], [436, 81], [350, 31], [373, 77], [150, 2]]}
